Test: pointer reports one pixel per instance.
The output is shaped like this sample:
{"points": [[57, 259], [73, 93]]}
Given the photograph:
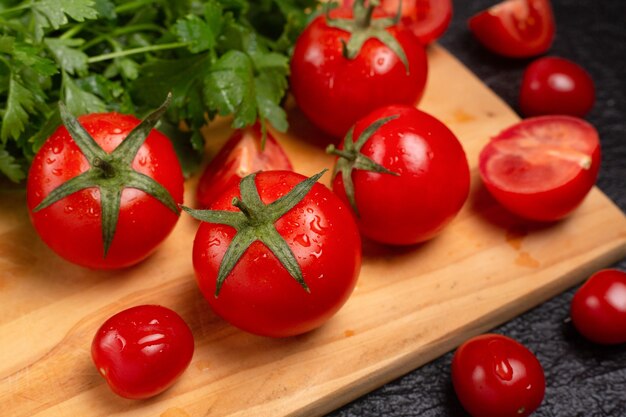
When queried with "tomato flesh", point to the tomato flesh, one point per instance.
{"points": [[259, 295], [555, 85], [334, 92], [516, 28], [598, 308], [240, 156], [495, 376], [542, 168], [142, 351], [72, 226]]}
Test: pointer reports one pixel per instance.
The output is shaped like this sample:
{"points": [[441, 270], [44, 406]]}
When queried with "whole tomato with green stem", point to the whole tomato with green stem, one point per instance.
{"points": [[404, 174], [349, 62], [103, 191], [276, 255]]}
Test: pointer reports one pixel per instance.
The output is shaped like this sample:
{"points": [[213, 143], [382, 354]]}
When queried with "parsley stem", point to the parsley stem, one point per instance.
{"points": [[15, 9], [73, 31], [122, 31], [132, 5], [134, 51]]}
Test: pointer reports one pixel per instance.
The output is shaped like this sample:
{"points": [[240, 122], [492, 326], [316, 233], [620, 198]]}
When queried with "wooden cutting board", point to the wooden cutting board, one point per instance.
{"points": [[410, 306]]}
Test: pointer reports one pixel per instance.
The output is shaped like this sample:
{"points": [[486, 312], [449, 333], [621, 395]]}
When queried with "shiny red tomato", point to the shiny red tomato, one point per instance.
{"points": [[291, 270], [554, 85], [516, 28], [495, 376], [73, 226], [142, 351], [240, 156], [426, 183], [542, 168], [334, 91], [427, 19], [599, 307]]}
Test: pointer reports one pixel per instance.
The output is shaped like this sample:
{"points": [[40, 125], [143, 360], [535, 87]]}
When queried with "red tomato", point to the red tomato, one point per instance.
{"points": [[542, 168], [142, 351], [494, 376], [72, 227], [428, 19], [259, 295], [432, 182], [554, 85], [599, 307], [516, 28], [334, 91], [240, 156]]}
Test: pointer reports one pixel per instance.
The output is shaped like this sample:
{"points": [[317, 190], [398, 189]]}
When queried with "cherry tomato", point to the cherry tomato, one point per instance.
{"points": [[542, 168], [495, 376], [334, 91], [260, 295], [599, 307], [428, 19], [427, 181], [142, 351], [516, 28], [554, 85], [240, 156], [73, 226]]}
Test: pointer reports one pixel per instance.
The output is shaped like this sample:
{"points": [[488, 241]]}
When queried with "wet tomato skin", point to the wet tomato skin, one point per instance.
{"points": [[547, 194], [334, 92], [432, 185], [495, 376], [553, 85], [516, 28], [598, 309], [259, 296], [241, 155], [142, 351], [71, 227]]}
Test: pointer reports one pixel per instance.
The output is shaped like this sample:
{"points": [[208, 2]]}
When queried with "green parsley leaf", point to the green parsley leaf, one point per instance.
{"points": [[69, 59], [53, 13], [20, 103], [10, 167], [79, 101]]}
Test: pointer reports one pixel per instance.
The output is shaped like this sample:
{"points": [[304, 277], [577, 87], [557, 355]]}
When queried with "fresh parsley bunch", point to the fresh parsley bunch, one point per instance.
{"points": [[217, 57]]}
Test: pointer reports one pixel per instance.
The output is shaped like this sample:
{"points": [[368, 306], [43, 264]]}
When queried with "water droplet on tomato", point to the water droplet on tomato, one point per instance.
{"points": [[143, 160], [317, 254], [303, 240], [117, 130], [321, 276], [57, 171], [56, 149], [214, 242], [309, 210], [316, 225], [50, 160], [68, 209]]}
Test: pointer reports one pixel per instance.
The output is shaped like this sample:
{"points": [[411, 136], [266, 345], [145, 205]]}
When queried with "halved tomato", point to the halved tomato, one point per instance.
{"points": [[428, 19], [516, 28], [240, 156], [542, 168]]}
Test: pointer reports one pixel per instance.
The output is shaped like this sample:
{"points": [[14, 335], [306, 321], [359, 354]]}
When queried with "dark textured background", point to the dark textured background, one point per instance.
{"points": [[582, 379]]}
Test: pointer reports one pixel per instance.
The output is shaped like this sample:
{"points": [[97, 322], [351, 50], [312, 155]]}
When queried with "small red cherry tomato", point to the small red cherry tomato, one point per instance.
{"points": [[598, 308], [240, 156], [495, 376], [141, 351], [516, 28], [418, 182], [542, 168], [334, 85], [277, 254], [427, 19], [554, 85]]}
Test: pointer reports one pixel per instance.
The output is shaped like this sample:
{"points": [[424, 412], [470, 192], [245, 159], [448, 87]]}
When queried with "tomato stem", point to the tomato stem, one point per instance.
{"points": [[243, 207], [104, 166], [332, 149]]}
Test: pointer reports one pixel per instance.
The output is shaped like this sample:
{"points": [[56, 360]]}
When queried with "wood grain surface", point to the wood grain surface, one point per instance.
{"points": [[410, 305]]}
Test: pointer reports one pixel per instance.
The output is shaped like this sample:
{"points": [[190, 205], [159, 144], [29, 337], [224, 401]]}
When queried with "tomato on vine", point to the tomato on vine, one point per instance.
{"points": [[404, 174], [141, 351], [350, 62], [103, 191], [276, 255]]}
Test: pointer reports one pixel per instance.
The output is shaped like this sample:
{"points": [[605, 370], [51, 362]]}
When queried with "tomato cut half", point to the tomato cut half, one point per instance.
{"points": [[516, 28], [542, 168], [240, 156], [427, 19]]}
